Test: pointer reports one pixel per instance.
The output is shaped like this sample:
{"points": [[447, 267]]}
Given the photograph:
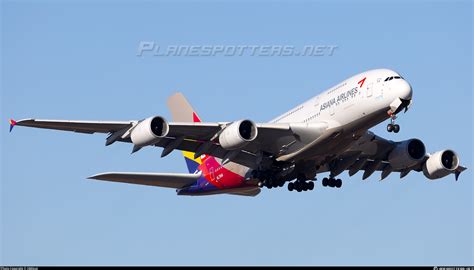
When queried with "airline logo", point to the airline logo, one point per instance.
{"points": [[361, 82]]}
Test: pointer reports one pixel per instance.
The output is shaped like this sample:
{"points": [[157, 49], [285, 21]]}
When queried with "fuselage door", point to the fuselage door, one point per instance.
{"points": [[370, 89], [316, 103], [378, 90]]}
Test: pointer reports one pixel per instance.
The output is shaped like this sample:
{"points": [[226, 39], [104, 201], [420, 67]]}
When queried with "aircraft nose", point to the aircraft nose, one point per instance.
{"points": [[404, 90]]}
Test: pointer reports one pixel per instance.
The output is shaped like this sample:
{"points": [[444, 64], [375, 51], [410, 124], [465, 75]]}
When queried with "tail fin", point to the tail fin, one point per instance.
{"points": [[182, 111]]}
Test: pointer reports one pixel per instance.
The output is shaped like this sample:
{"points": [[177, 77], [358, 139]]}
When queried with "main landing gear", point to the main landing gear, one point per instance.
{"points": [[332, 182], [300, 185], [270, 183], [392, 126]]}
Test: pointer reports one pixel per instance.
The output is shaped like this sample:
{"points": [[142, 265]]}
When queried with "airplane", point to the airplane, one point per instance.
{"points": [[328, 134]]}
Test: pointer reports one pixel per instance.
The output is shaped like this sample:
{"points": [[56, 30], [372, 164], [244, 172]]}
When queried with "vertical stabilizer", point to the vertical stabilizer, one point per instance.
{"points": [[182, 111]]}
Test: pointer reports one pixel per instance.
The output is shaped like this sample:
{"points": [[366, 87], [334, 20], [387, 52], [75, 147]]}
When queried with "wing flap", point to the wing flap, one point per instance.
{"points": [[243, 158], [168, 180]]}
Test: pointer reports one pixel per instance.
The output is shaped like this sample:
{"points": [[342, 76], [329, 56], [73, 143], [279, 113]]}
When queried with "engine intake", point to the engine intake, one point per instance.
{"points": [[238, 134], [149, 130], [406, 154], [440, 164]]}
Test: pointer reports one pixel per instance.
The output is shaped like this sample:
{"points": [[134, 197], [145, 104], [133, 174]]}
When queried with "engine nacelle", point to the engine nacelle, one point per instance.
{"points": [[238, 134], [441, 164], [406, 154], [147, 131]]}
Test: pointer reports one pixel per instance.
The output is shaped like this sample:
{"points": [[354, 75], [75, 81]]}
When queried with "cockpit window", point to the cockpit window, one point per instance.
{"points": [[392, 78]]}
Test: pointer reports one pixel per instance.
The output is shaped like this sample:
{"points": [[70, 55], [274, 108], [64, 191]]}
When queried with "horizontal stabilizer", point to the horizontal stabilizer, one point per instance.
{"points": [[169, 180]]}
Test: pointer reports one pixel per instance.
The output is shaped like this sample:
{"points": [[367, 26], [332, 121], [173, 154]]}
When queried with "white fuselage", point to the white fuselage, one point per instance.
{"points": [[347, 102]]}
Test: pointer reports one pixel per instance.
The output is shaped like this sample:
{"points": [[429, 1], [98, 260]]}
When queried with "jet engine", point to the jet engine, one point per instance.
{"points": [[238, 134], [440, 164], [406, 154], [149, 130]]}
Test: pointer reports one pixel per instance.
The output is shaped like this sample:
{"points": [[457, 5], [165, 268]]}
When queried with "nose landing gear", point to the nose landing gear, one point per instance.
{"points": [[392, 127]]}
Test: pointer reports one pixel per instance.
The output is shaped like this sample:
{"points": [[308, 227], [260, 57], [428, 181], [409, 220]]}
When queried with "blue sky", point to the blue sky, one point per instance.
{"points": [[77, 60]]}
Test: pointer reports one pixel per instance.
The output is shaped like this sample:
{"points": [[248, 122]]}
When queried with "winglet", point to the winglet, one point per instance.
{"points": [[12, 124]]}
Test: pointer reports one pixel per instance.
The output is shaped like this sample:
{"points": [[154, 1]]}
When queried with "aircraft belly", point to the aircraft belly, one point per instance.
{"points": [[368, 121]]}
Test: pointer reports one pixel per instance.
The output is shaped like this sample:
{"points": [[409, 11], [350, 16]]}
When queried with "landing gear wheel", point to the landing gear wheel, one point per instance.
{"points": [[390, 128], [338, 183], [298, 186], [311, 185], [332, 182], [396, 128], [325, 182], [268, 183], [291, 186]]}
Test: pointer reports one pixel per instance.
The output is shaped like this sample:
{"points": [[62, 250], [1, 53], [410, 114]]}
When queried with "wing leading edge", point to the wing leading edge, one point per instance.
{"points": [[88, 127]]}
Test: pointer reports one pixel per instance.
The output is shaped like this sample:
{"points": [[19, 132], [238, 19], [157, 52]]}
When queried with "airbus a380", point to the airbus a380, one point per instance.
{"points": [[327, 134]]}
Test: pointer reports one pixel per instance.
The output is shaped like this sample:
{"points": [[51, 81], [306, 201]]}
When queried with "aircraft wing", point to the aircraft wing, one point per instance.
{"points": [[370, 154], [274, 139], [169, 180]]}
